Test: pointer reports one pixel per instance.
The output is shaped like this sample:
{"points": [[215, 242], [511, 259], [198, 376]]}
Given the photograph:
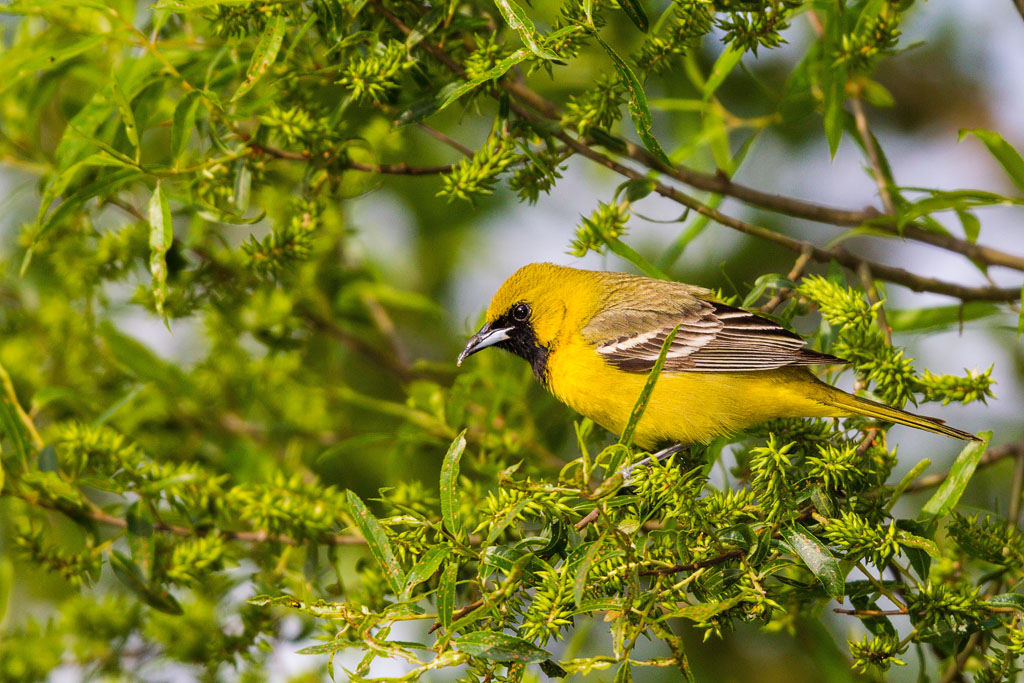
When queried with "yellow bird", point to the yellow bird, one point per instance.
{"points": [[593, 338]]}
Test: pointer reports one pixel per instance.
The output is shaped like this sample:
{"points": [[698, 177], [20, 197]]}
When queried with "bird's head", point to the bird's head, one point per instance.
{"points": [[529, 312]]}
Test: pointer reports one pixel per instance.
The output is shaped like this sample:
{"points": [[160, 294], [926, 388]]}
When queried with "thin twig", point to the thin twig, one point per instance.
{"points": [[794, 274], [11, 397], [693, 566]]}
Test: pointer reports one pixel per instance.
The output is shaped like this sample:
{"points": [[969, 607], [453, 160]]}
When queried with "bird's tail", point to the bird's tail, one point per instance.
{"points": [[880, 411]]}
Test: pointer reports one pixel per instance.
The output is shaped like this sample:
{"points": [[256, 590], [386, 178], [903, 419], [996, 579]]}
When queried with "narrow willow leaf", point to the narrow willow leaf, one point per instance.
{"points": [[12, 427], [6, 577], [446, 595], [818, 559], [945, 499], [579, 585], [325, 648], [624, 674], [183, 123], [702, 611], [970, 224], [834, 100], [140, 360], [264, 55], [907, 480], [499, 647], [14, 68], [161, 234], [497, 71], [127, 117], [130, 575], [521, 23], [940, 317], [425, 568], [645, 395], [910, 540], [1013, 600], [377, 542], [1007, 156], [426, 25], [639, 112], [450, 484], [724, 65], [190, 5], [635, 11], [243, 186]]}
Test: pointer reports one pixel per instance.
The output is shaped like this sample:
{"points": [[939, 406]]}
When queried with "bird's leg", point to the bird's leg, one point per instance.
{"points": [[627, 472]]}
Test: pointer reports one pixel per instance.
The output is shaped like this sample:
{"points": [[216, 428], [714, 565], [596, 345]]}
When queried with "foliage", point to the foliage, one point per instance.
{"points": [[192, 160]]}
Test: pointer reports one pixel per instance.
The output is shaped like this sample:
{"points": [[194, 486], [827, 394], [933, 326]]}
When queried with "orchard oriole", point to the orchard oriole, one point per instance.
{"points": [[593, 338]]}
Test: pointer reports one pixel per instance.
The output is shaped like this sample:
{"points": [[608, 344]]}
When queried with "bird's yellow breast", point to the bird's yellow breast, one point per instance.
{"points": [[686, 407]]}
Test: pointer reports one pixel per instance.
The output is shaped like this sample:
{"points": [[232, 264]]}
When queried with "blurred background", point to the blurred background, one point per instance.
{"points": [[961, 69]]}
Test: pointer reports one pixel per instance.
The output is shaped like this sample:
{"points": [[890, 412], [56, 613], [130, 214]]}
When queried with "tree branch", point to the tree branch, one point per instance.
{"points": [[676, 568]]}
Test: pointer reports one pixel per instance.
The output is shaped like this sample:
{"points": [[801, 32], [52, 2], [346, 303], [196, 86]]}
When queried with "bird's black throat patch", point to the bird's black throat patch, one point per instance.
{"points": [[522, 341]]}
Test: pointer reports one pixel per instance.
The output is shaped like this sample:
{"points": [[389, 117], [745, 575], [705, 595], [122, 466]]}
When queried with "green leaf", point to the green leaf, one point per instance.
{"points": [[127, 117], [1014, 600], [15, 66], [446, 595], [499, 647], [580, 580], [639, 112], [818, 559], [624, 673], [426, 25], [264, 55], [450, 485], [1008, 157], [377, 542], [835, 97], [635, 11], [521, 23], [6, 579], [496, 71], [940, 317], [907, 480], [161, 234], [12, 427], [945, 499], [910, 540], [183, 123], [970, 224], [702, 611], [724, 65], [243, 186], [326, 648], [645, 395], [425, 568], [190, 5], [142, 362], [156, 597]]}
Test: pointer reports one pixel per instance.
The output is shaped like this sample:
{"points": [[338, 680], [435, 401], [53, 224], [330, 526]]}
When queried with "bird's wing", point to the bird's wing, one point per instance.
{"points": [[712, 337]]}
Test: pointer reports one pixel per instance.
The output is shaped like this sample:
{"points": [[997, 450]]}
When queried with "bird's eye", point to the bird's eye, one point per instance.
{"points": [[521, 312]]}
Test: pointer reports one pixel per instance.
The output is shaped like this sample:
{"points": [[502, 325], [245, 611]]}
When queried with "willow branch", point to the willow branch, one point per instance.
{"points": [[917, 283]]}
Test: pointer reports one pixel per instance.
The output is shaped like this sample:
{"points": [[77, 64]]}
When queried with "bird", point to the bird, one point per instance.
{"points": [[593, 338]]}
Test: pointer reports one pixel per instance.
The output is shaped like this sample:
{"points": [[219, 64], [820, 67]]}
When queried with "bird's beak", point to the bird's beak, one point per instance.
{"points": [[487, 336]]}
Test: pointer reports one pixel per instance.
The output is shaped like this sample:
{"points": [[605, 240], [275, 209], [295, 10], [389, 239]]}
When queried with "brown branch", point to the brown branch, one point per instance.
{"points": [[794, 274], [991, 456], [918, 283], [676, 568], [461, 613]]}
